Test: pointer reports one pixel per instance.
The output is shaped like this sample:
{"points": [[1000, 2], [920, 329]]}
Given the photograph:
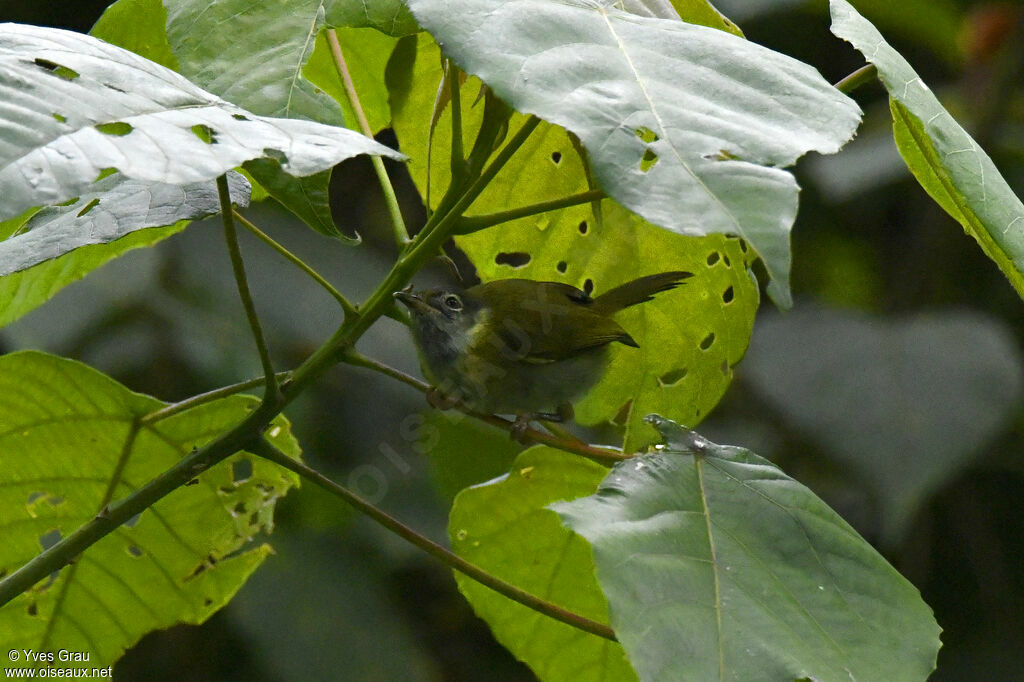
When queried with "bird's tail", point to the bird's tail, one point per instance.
{"points": [[639, 290]]}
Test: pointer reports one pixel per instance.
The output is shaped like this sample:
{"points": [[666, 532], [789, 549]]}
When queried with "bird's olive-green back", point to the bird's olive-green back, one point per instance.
{"points": [[544, 321]]}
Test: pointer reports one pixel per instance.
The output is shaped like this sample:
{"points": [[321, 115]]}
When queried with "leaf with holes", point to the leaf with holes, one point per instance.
{"points": [[503, 527], [690, 338], [279, 74], [73, 440], [61, 244], [947, 162], [719, 566], [686, 125], [905, 403], [133, 115]]}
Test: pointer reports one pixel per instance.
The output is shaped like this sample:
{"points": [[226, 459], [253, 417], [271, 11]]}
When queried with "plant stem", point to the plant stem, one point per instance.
{"points": [[864, 74], [208, 397], [238, 266], [394, 210], [562, 441], [298, 262], [269, 452], [480, 222], [458, 159]]}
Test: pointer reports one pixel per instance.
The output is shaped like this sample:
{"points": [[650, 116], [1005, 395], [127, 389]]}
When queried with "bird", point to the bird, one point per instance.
{"points": [[521, 346]]}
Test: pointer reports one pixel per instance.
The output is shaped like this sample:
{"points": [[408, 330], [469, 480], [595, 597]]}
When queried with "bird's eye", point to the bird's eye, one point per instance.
{"points": [[452, 302]]}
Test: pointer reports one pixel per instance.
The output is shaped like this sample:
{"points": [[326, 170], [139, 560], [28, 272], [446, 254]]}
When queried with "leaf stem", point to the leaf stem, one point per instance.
{"points": [[208, 397], [446, 556], [561, 441], [458, 159], [480, 222], [390, 199], [238, 266], [297, 262], [864, 74]]}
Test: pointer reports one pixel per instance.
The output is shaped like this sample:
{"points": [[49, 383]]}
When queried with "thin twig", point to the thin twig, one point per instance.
{"points": [[238, 266], [394, 210], [480, 222], [297, 262], [564, 441], [208, 397], [446, 556]]}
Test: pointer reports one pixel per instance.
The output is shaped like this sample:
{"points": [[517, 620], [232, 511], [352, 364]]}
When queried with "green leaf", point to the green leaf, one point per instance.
{"points": [[62, 244], [904, 402], [719, 566], [72, 441], [388, 16], [947, 162], [689, 338], [503, 527], [462, 451], [53, 150], [685, 125], [139, 26]]}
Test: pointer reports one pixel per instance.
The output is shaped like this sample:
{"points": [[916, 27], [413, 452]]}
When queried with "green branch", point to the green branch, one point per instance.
{"points": [[480, 222], [445, 556], [863, 75], [561, 441], [394, 210], [238, 266], [297, 262]]}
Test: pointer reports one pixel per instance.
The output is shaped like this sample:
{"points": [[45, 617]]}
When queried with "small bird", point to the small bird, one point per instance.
{"points": [[519, 346]]}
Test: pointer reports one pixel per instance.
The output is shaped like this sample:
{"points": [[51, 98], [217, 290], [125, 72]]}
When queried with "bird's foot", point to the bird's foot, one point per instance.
{"points": [[439, 400]]}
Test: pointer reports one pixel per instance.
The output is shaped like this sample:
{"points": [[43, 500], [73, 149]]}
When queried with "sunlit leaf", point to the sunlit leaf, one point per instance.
{"points": [[72, 441], [503, 527], [70, 117]]}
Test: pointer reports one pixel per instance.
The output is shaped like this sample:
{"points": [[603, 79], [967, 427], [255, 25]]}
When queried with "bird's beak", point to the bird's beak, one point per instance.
{"points": [[412, 301]]}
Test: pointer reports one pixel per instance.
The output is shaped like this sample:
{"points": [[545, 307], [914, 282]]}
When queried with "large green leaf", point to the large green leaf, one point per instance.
{"points": [[61, 244], [139, 26], [503, 526], [388, 16], [689, 339], [947, 162], [685, 125], [72, 440], [719, 566], [68, 116], [905, 403]]}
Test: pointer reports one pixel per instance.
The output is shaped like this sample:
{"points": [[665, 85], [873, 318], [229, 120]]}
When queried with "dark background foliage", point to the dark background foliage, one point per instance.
{"points": [[343, 600]]}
